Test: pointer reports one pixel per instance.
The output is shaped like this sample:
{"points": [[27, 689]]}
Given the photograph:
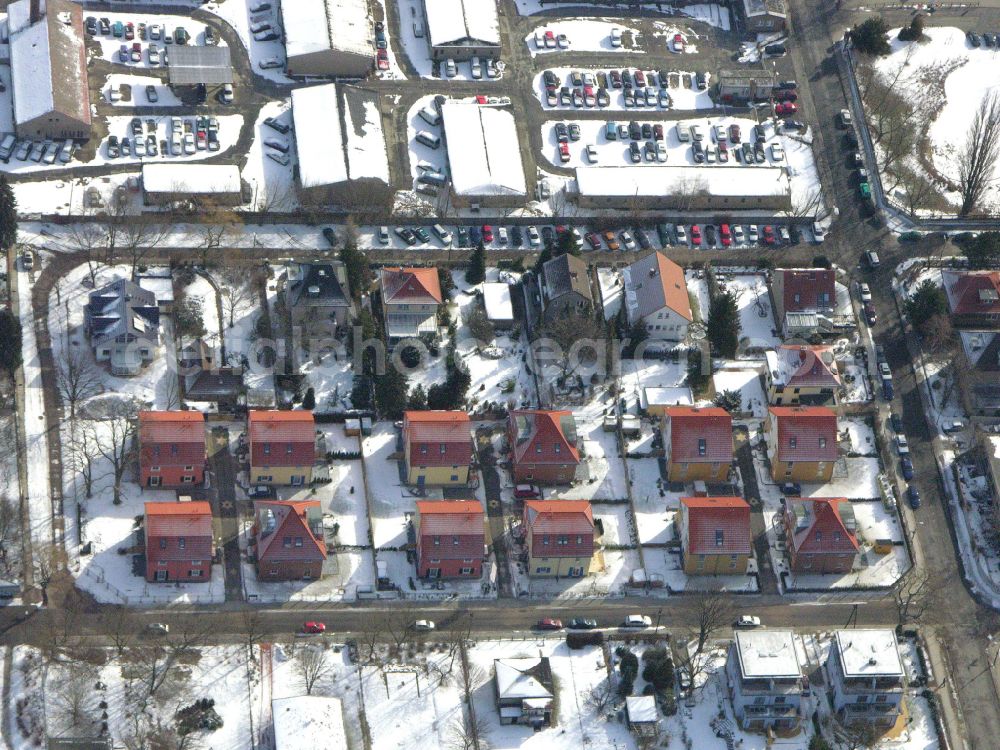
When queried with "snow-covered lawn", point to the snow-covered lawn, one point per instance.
{"points": [[603, 472], [683, 98], [946, 80], [757, 329], [612, 291], [201, 289], [584, 35], [744, 377]]}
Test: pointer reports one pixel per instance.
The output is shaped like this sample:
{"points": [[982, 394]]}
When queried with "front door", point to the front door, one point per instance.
{"points": [[161, 575], [434, 572]]}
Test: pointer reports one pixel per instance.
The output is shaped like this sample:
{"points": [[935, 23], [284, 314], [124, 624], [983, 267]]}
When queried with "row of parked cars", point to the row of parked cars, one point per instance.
{"points": [[128, 31], [185, 136], [42, 152], [640, 88]]}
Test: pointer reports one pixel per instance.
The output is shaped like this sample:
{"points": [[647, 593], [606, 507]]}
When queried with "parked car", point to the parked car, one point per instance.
{"points": [[611, 240], [226, 94], [896, 422], [423, 626], [549, 624], [913, 496], [791, 489], [902, 445], [785, 108], [870, 317], [275, 124], [695, 235], [678, 43], [581, 623], [313, 627], [637, 621], [747, 621], [906, 468]]}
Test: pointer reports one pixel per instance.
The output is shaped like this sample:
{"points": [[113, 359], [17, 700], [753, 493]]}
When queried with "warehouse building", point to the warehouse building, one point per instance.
{"points": [[341, 145], [462, 29], [328, 38], [217, 184], [484, 155], [48, 65], [684, 188]]}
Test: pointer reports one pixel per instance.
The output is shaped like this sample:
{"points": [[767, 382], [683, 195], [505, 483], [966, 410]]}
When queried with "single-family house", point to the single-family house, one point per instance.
{"points": [[410, 301], [543, 446], [451, 538], [122, 321], [656, 297], [566, 287], [821, 535], [179, 541], [801, 374], [802, 297], [318, 297], [437, 447], [171, 448], [288, 540], [524, 690], [973, 298], [715, 535], [865, 674], [282, 447], [560, 538], [979, 361], [801, 443], [764, 679], [698, 442]]}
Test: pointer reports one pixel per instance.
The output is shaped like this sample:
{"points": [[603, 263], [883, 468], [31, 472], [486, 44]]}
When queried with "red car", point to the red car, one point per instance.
{"points": [[734, 133], [564, 152], [658, 132], [769, 238], [725, 235], [678, 43], [314, 627], [526, 491], [785, 95], [549, 624], [129, 31], [785, 108], [640, 78], [382, 59], [487, 233], [695, 234], [594, 240]]}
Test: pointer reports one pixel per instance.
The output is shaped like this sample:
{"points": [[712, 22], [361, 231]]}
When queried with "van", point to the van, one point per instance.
{"points": [[432, 178], [428, 139], [683, 134], [7, 147], [442, 234], [425, 166], [871, 258], [429, 115], [775, 50], [418, 29]]}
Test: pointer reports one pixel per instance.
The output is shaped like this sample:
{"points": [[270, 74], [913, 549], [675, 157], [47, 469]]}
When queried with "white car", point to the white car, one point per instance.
{"points": [[884, 371], [637, 621], [226, 95], [616, 37], [682, 236], [534, 239], [747, 621], [269, 62], [450, 68], [752, 233], [777, 152], [189, 145], [563, 41], [819, 234], [738, 235], [592, 154], [902, 446], [477, 68], [423, 626], [866, 293], [628, 241], [159, 628], [539, 39], [502, 237], [175, 144], [720, 133], [383, 235]]}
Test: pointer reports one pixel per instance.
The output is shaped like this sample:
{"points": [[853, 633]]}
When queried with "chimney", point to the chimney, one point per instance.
{"points": [[36, 11]]}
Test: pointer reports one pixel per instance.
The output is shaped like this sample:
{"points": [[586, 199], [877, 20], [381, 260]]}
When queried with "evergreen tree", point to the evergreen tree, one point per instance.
{"points": [[869, 37], [10, 341], [566, 244], [476, 272], [390, 393], [8, 214], [926, 302], [356, 265], [418, 398], [361, 392], [724, 325], [915, 31], [309, 400], [983, 251], [543, 257]]}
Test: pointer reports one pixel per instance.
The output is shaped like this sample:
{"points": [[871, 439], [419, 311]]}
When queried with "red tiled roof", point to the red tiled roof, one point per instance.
{"points": [[290, 522], [191, 520], [540, 437], [717, 525], [453, 519], [426, 431], [547, 520], [809, 365], [803, 287], [171, 438], [700, 435], [290, 436], [976, 294], [411, 285], [825, 532], [805, 433]]}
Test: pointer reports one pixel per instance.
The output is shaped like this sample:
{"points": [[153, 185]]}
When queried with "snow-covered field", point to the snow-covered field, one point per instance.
{"points": [[945, 79], [684, 98], [584, 35]]}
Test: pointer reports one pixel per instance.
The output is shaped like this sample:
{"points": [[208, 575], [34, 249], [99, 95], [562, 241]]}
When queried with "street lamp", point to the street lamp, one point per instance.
{"points": [[659, 612]]}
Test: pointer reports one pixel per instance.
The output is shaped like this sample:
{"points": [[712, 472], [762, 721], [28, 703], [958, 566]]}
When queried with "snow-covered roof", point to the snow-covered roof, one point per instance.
{"points": [[161, 286], [767, 653], [523, 678], [868, 653], [331, 151], [641, 708], [484, 154], [320, 25], [48, 68], [652, 181], [496, 300], [679, 395], [195, 179], [308, 721], [451, 22]]}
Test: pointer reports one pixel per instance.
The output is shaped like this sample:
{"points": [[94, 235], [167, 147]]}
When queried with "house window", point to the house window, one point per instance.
{"points": [[437, 541], [173, 449], [563, 540], [545, 539], [538, 448], [720, 537], [819, 535], [196, 562], [454, 477], [288, 449], [298, 541], [193, 573], [779, 700], [188, 468], [822, 442], [286, 542], [793, 442], [543, 570], [181, 542], [267, 449], [454, 541], [154, 468], [163, 544], [557, 448], [423, 450], [443, 448], [187, 479], [702, 447], [467, 560], [881, 699], [579, 539], [465, 571]]}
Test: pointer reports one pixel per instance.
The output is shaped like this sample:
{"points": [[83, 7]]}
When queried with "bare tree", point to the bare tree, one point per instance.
{"points": [[75, 699], [468, 733], [713, 611], [77, 378], [89, 238], [569, 333], [139, 238], [47, 560], [978, 159], [236, 289], [937, 333], [396, 624], [311, 665], [10, 532], [856, 736], [913, 596], [115, 441], [601, 696], [120, 628], [83, 452]]}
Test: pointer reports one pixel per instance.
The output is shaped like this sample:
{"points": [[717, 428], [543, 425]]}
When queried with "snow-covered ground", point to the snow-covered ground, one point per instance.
{"points": [[237, 14], [744, 377], [272, 183], [584, 35], [602, 468], [417, 50], [945, 78], [109, 46], [132, 89], [684, 98], [757, 329], [709, 13]]}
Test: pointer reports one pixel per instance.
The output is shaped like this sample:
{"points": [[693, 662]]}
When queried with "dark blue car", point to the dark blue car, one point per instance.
{"points": [[906, 466], [475, 236], [887, 392], [913, 496]]}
